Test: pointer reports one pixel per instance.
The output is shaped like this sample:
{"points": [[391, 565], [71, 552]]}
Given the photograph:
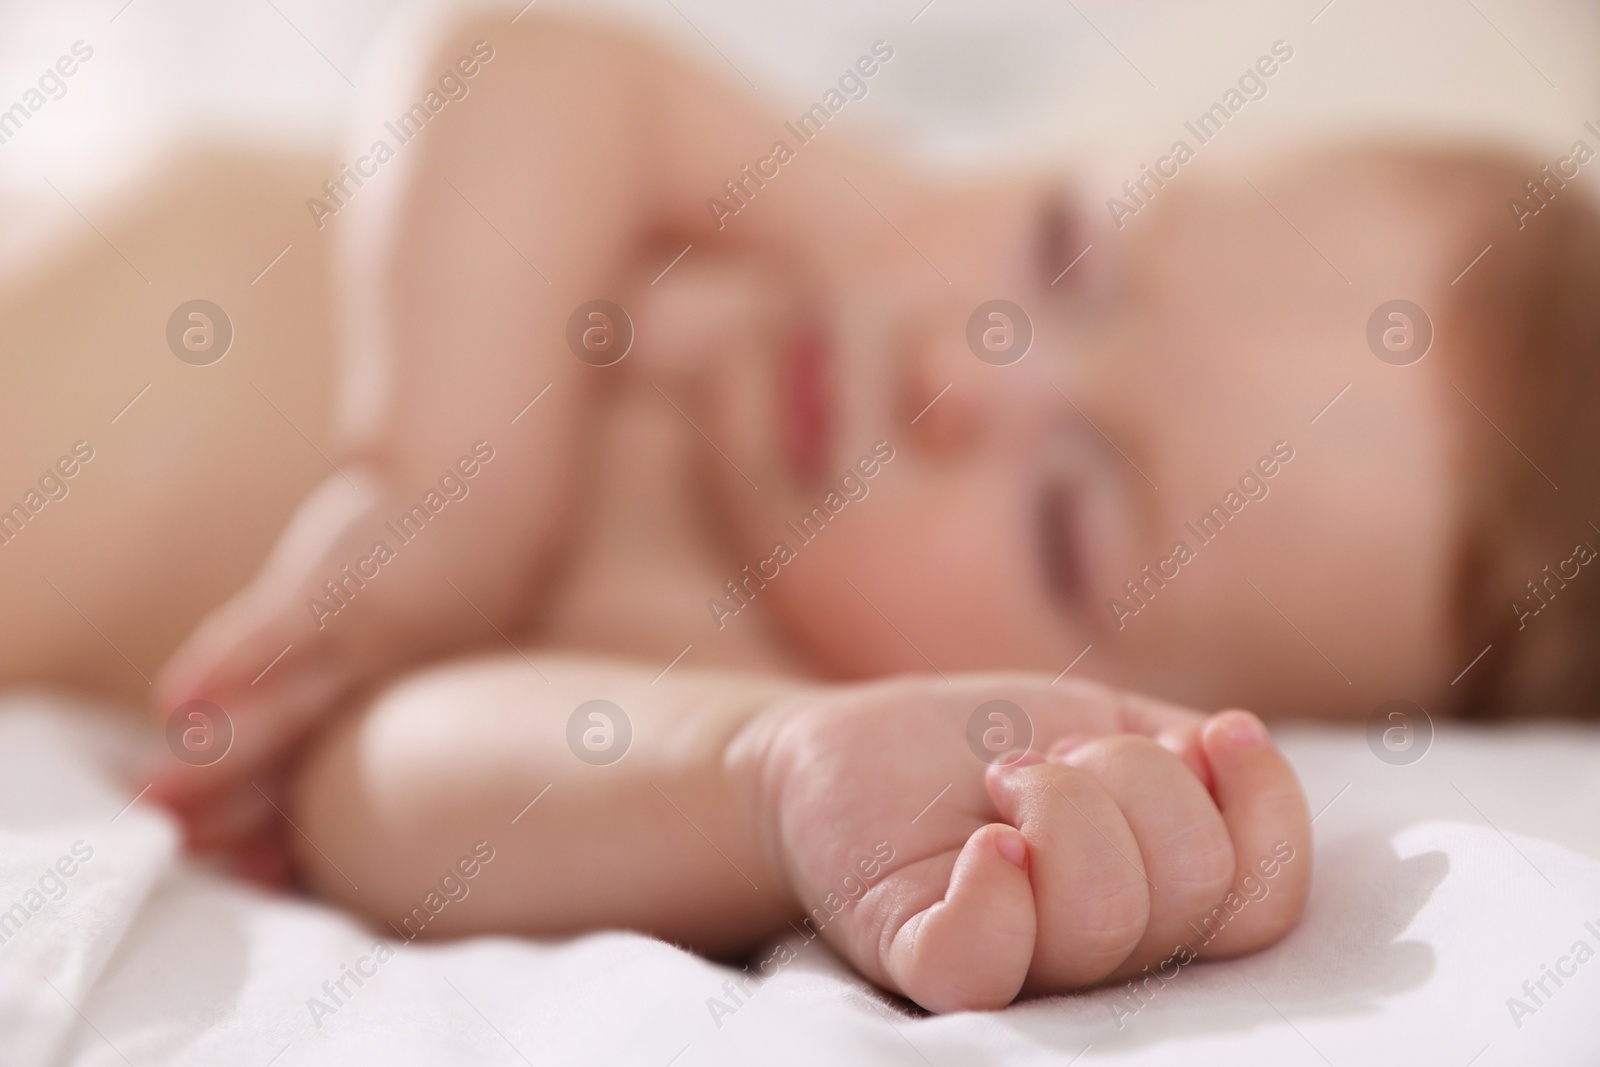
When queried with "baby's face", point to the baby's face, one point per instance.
{"points": [[1170, 427]]}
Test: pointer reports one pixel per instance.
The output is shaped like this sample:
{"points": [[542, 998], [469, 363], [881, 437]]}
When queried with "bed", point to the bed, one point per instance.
{"points": [[1452, 892], [1455, 918]]}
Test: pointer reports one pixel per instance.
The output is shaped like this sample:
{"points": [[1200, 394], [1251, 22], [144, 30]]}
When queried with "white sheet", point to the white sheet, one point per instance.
{"points": [[1425, 919]]}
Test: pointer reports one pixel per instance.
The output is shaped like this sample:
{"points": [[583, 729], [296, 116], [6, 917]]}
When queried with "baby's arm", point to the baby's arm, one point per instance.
{"points": [[665, 839], [577, 157], [744, 809]]}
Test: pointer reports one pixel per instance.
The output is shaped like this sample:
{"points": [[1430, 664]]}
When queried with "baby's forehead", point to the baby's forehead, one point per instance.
{"points": [[1368, 218]]}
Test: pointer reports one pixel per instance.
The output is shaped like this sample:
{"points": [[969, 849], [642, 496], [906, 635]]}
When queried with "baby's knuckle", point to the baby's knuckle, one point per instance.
{"points": [[1134, 750], [1113, 915], [1125, 914], [1202, 857]]}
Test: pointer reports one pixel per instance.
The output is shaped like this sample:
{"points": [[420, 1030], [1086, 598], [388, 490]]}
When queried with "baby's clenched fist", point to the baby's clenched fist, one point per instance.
{"points": [[1129, 833]]}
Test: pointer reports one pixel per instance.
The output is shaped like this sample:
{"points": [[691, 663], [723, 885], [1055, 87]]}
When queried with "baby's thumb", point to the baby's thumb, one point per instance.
{"points": [[971, 951], [1265, 811]]}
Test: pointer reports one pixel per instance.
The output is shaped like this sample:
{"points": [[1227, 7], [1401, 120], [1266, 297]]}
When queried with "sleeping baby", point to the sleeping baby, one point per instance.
{"points": [[728, 523]]}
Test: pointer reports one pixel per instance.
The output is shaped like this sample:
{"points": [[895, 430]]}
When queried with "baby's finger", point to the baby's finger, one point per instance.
{"points": [[255, 727], [953, 932], [266, 626], [1182, 839], [1174, 728], [1089, 883], [233, 646], [1094, 710], [263, 858], [217, 821], [705, 303], [1265, 810]]}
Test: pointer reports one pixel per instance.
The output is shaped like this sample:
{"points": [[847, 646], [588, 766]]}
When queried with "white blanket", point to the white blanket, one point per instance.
{"points": [[1441, 888]]}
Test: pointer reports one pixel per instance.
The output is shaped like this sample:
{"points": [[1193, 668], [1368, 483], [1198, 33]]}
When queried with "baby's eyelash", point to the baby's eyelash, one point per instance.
{"points": [[1055, 239], [1059, 551]]}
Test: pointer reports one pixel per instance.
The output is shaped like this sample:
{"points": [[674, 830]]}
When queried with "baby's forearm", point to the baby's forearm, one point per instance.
{"points": [[664, 839], [579, 155], [580, 158], [497, 220]]}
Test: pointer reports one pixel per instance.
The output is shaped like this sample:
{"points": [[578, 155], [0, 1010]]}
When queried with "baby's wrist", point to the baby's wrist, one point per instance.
{"points": [[758, 764]]}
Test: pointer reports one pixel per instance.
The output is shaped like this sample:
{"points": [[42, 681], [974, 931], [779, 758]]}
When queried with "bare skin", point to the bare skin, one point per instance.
{"points": [[607, 518], [751, 805], [189, 486]]}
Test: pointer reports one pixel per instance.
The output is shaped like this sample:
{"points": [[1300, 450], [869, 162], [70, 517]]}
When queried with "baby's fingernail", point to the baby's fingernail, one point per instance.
{"points": [[1012, 847], [1063, 748], [1243, 730]]}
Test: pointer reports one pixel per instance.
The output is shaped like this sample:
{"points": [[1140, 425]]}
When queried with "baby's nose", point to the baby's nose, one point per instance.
{"points": [[950, 390]]}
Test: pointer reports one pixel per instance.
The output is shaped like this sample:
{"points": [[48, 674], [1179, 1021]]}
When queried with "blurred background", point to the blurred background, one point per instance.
{"points": [[975, 84], [120, 200]]}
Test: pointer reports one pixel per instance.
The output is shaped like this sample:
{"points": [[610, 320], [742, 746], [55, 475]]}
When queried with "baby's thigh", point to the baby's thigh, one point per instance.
{"points": [[429, 778]]}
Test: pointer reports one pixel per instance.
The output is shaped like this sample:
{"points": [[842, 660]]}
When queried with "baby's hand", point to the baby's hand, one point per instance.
{"points": [[1131, 834], [265, 662]]}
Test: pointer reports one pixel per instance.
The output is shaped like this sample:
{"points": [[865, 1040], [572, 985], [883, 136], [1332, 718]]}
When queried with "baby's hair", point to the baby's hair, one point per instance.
{"points": [[1522, 332], [1516, 352]]}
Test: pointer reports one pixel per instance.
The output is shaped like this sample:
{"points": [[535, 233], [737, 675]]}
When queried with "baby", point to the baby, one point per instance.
{"points": [[766, 508]]}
